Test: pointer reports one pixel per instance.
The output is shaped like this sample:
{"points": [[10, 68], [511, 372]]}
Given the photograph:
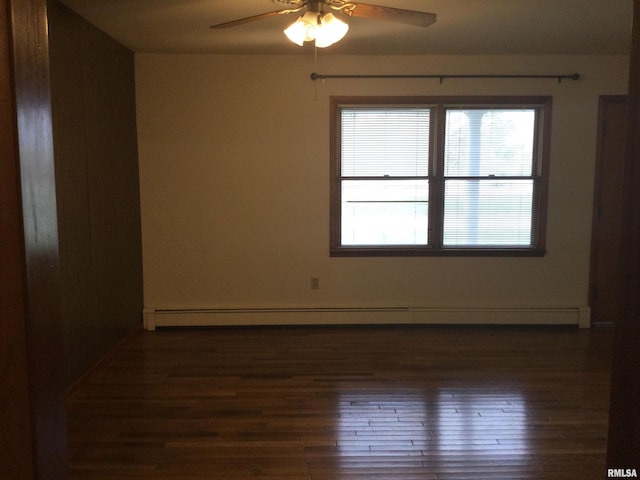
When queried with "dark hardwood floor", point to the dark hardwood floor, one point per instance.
{"points": [[416, 402]]}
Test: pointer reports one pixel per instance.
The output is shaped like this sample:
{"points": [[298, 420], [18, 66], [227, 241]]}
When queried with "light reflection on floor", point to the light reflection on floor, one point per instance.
{"points": [[481, 422], [431, 431]]}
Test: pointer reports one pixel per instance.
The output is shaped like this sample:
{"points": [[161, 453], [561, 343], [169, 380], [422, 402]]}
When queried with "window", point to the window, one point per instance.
{"points": [[439, 176]]}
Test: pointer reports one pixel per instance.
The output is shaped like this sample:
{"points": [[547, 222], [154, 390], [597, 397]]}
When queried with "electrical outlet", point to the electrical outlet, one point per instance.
{"points": [[315, 283]]}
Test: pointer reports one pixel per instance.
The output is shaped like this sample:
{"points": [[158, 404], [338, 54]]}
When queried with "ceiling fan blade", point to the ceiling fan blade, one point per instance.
{"points": [[253, 18], [409, 17]]}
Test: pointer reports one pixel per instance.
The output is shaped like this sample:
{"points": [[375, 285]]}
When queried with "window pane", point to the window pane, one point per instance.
{"points": [[385, 141], [488, 142], [385, 212], [488, 213]]}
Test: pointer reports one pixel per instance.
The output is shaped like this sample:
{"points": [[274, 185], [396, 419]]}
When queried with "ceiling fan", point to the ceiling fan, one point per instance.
{"points": [[320, 24]]}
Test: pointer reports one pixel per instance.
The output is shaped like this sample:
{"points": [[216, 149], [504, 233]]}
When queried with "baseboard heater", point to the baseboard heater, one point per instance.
{"points": [[484, 315]]}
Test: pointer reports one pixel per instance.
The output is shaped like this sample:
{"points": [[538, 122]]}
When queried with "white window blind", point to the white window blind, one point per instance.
{"points": [[384, 168], [494, 204], [385, 141]]}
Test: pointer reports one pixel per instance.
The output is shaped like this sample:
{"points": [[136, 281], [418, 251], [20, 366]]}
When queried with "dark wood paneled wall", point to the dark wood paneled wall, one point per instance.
{"points": [[33, 274], [94, 125], [624, 420]]}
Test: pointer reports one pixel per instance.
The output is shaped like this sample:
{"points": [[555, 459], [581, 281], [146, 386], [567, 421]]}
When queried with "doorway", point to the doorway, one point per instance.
{"points": [[605, 275]]}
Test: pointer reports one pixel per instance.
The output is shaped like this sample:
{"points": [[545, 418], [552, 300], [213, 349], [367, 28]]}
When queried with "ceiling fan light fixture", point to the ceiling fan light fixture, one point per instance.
{"points": [[331, 30], [303, 29], [324, 29]]}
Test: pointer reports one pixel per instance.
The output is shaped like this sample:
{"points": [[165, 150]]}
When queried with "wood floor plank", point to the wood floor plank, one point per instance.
{"points": [[318, 403]]}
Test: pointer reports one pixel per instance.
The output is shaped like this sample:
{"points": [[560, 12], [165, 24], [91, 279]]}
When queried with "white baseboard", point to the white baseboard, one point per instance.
{"points": [[486, 315]]}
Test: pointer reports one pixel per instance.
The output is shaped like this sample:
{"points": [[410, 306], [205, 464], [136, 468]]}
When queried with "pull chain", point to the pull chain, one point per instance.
{"points": [[315, 60]]}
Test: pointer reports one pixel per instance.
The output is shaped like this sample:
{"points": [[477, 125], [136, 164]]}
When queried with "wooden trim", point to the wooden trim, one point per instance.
{"points": [[462, 100], [542, 185], [16, 455], [436, 185], [335, 193], [399, 251], [30, 69]]}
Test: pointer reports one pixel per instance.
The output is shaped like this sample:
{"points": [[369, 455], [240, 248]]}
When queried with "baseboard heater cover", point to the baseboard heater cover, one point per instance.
{"points": [[469, 315]]}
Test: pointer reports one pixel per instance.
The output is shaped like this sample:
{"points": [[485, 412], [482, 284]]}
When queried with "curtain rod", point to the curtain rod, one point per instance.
{"points": [[559, 77]]}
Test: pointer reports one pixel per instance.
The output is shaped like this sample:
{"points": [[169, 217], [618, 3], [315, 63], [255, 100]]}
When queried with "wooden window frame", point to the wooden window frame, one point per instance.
{"points": [[542, 133]]}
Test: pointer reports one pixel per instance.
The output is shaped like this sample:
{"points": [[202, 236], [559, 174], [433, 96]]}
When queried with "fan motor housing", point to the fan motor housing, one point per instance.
{"points": [[288, 3]]}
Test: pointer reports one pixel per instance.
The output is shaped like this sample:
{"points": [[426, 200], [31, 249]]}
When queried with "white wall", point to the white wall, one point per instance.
{"points": [[234, 172]]}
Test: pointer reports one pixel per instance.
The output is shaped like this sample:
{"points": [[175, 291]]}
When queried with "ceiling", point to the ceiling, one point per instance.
{"points": [[464, 27]]}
